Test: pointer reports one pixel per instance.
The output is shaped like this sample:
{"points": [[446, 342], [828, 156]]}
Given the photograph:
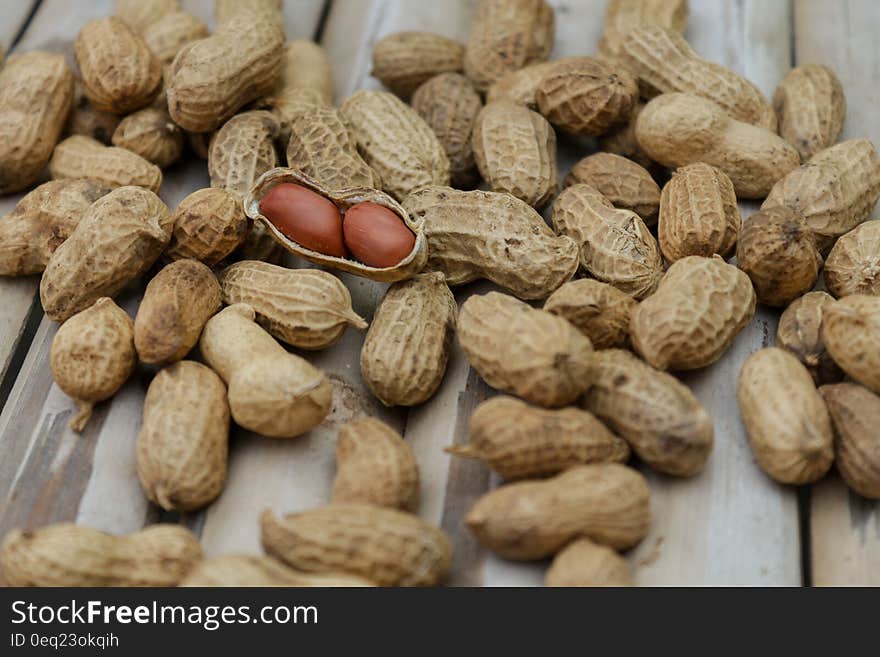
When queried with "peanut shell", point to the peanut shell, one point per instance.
{"points": [[616, 246], [851, 333], [140, 14], [404, 60], [786, 420], [375, 466], [626, 184], [661, 419], [608, 503], [588, 564], [855, 416], [271, 392], [243, 150], [92, 356], [507, 35], [68, 555], [799, 333], [84, 119], [853, 266], [209, 224], [252, 571], [83, 157], [151, 134], [305, 67], [521, 441], [622, 141], [396, 142], [177, 303], [168, 35], [521, 85], [598, 310], [386, 546], [525, 351], [621, 16], [404, 355], [306, 308], [118, 238], [810, 108], [183, 442], [489, 235], [515, 151]]}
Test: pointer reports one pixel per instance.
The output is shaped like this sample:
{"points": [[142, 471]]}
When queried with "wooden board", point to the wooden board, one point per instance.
{"points": [[13, 14], [845, 528]]}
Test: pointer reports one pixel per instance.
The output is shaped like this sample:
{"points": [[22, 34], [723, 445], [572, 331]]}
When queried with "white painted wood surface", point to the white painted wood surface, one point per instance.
{"points": [[845, 528]]}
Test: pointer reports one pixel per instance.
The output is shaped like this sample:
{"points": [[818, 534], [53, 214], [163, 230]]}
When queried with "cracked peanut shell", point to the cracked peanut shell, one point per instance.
{"points": [[374, 465], [306, 308], [525, 351], [515, 151], [479, 234], [598, 310], [404, 60], [853, 265], [65, 554], [608, 503], [851, 333], [625, 183], [799, 333], [699, 308], [810, 108], [616, 246], [396, 142], [785, 417], [404, 356], [521, 441], [661, 419], [698, 213], [79, 156], [184, 440], [855, 416], [386, 546]]}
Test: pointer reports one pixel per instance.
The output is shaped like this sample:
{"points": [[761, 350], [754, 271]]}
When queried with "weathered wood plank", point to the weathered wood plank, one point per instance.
{"points": [[13, 14], [845, 528]]}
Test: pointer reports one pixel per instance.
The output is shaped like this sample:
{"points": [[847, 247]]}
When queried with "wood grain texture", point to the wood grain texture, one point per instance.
{"points": [[845, 528]]}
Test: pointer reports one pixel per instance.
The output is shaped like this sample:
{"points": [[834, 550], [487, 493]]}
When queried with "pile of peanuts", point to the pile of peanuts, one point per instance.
{"points": [[630, 279]]}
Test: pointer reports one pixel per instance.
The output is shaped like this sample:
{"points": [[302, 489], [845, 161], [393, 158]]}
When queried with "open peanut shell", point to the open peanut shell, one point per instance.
{"points": [[411, 265]]}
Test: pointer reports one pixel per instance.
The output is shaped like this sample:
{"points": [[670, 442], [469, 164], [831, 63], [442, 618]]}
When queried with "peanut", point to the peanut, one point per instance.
{"points": [[168, 35], [71, 555], [507, 35], [608, 503], [586, 96], [676, 129], [528, 352], [621, 16], [785, 417], [404, 60], [140, 14], [515, 151], [176, 305], [151, 134], [183, 443], [36, 94], [778, 252], [585, 563], [271, 392], [243, 150], [322, 148], [520, 441], [41, 221], [386, 546], [119, 72], [86, 120], [305, 67], [396, 142], [306, 308], [666, 426], [92, 356], [623, 182], [521, 85], [855, 416], [699, 308], [385, 244], [698, 213], [495, 236], [616, 246], [851, 333], [249, 571], [404, 355], [83, 157], [799, 333], [226, 11], [810, 108], [853, 266], [664, 63], [209, 224], [118, 238], [834, 191], [375, 466], [212, 78], [598, 310], [449, 105]]}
